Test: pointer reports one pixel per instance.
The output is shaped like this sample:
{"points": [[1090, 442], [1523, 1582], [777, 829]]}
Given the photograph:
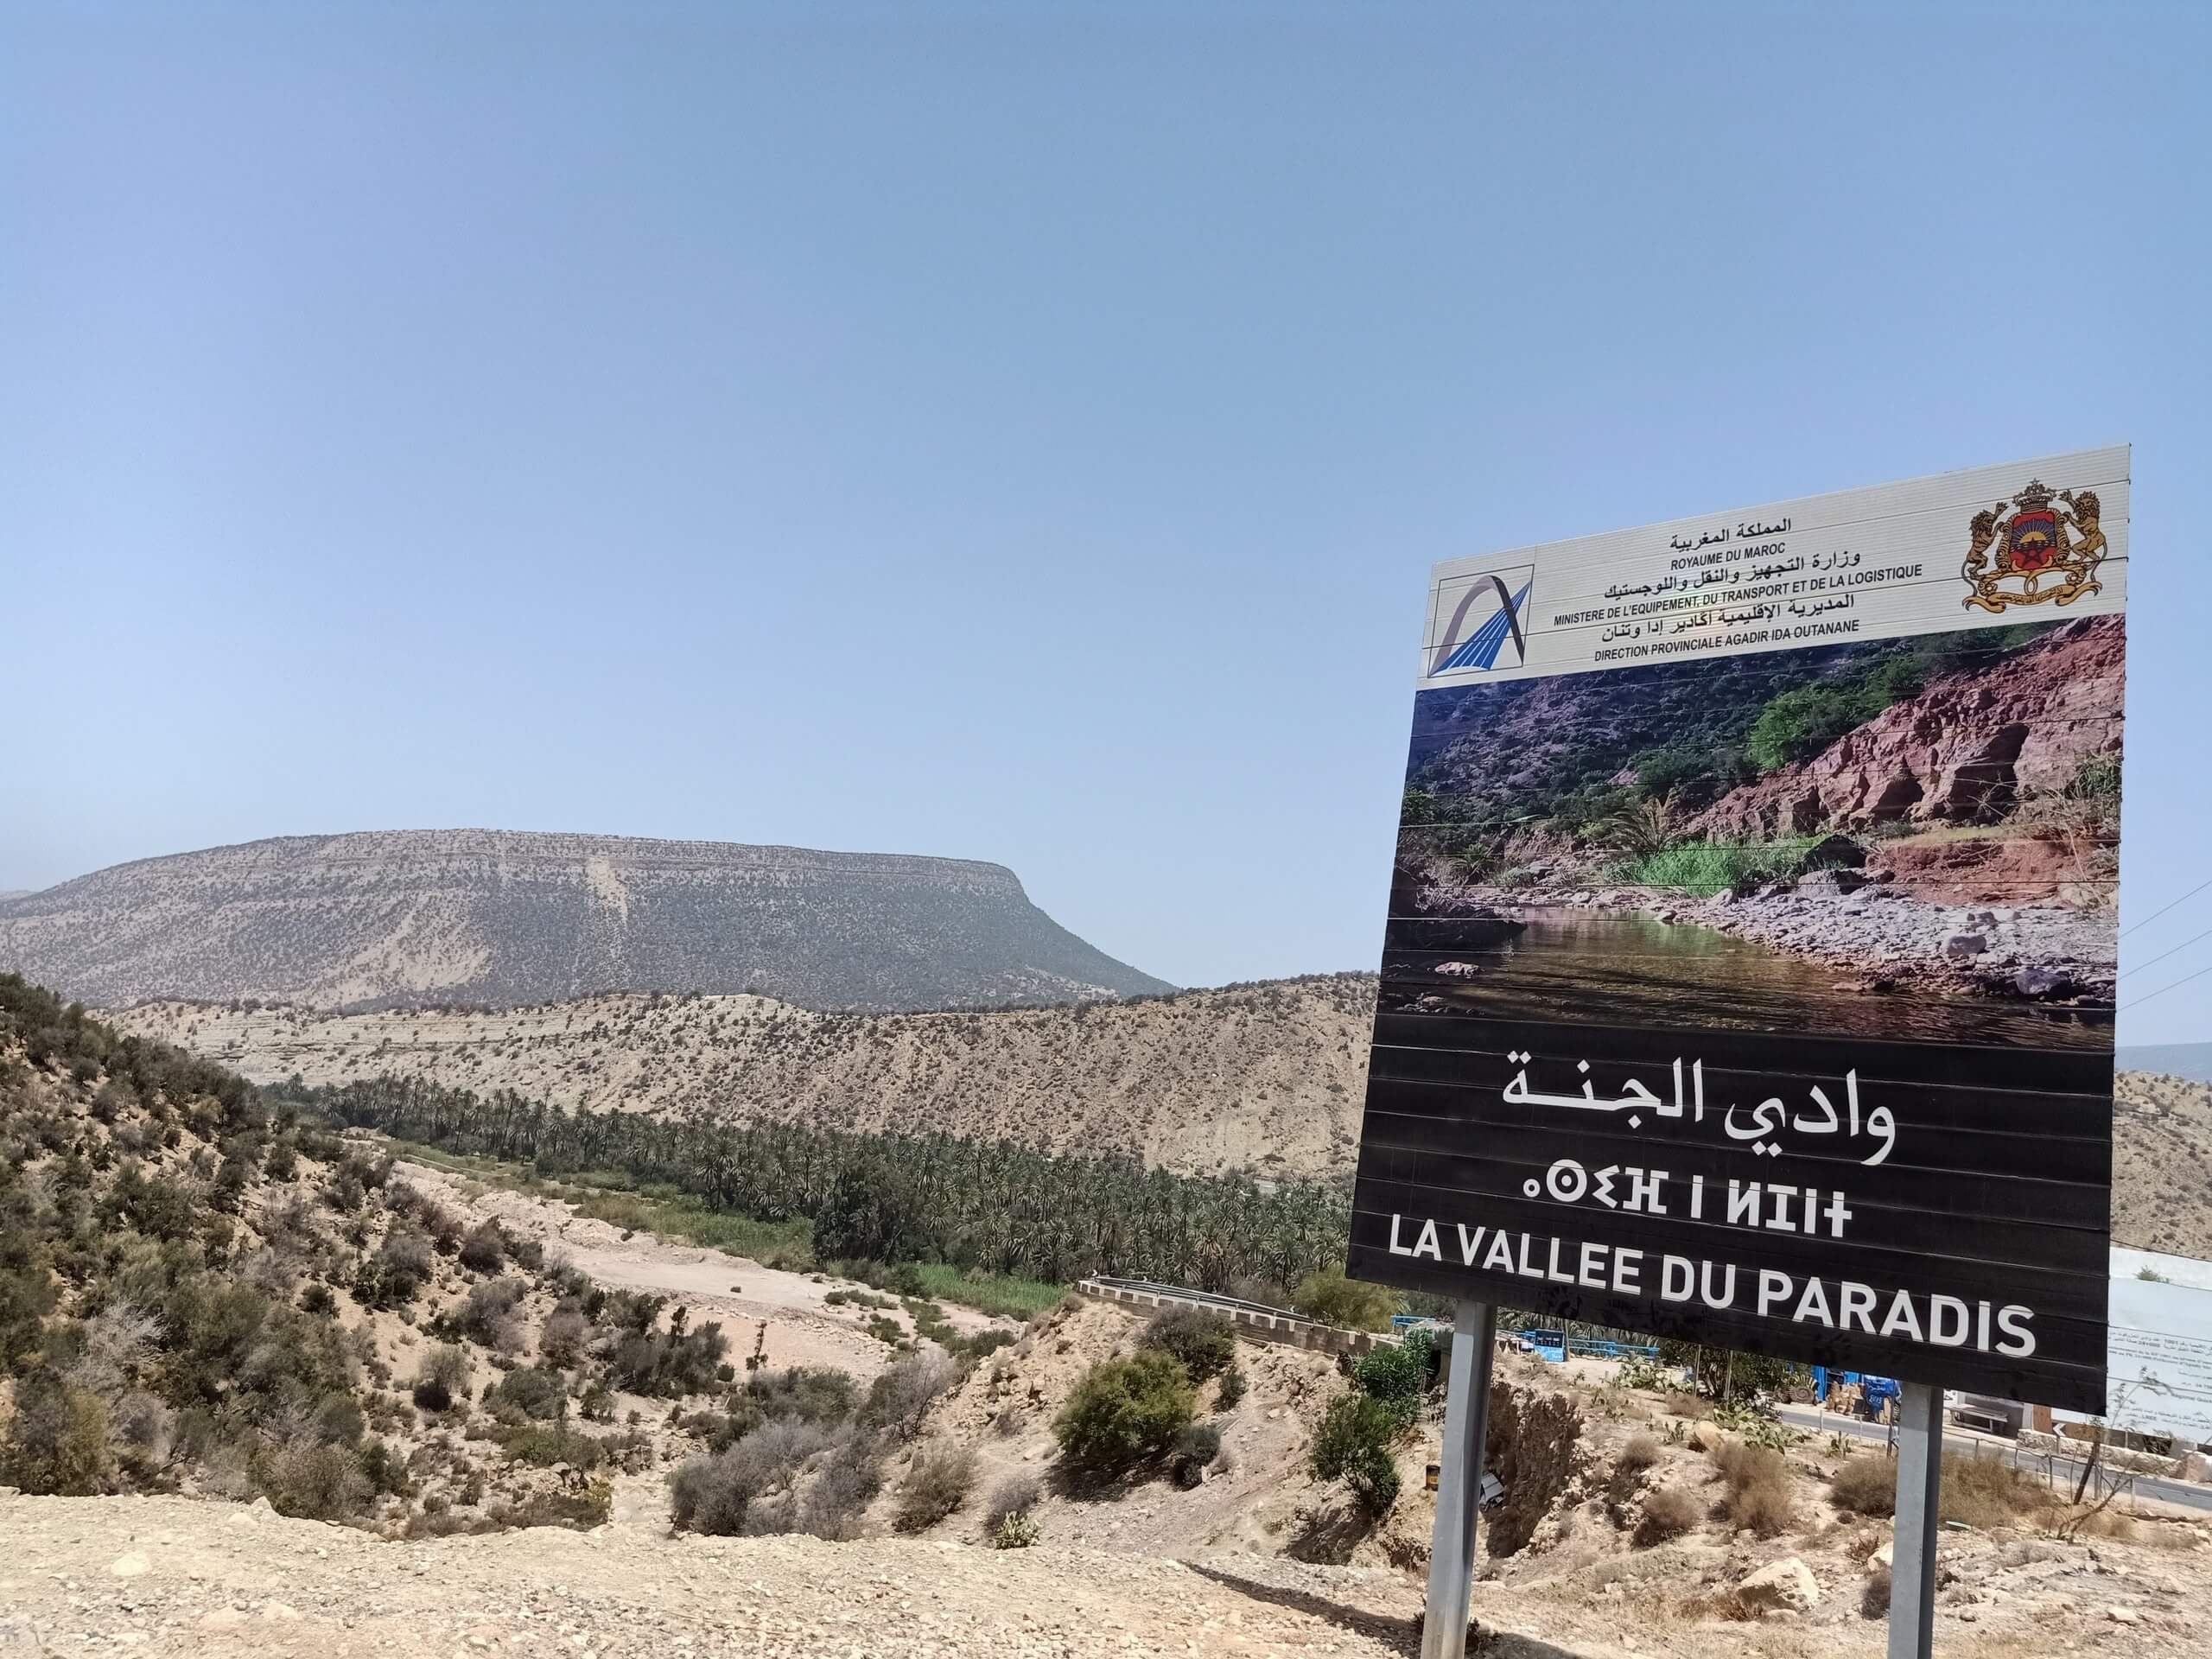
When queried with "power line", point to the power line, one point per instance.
{"points": [[2163, 989], [2162, 956], [2155, 914]]}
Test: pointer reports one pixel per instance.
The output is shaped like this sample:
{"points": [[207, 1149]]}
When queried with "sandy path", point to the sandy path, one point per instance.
{"points": [[803, 1327]]}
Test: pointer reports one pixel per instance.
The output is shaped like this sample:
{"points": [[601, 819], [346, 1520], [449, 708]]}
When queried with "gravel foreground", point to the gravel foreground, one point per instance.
{"points": [[175, 1575]]}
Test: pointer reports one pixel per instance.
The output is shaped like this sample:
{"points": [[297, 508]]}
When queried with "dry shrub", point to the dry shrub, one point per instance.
{"points": [[1638, 1454], [1986, 1492], [719, 1493], [836, 1502], [936, 1484], [1865, 1485], [312, 1479], [1530, 1443], [901, 1397], [1862, 1544], [1874, 1599], [1668, 1513], [1758, 1488]]}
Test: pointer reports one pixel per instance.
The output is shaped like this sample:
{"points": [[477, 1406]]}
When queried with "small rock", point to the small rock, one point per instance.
{"points": [[1964, 947], [2123, 1616], [1831, 884], [132, 1565], [1786, 1585]]}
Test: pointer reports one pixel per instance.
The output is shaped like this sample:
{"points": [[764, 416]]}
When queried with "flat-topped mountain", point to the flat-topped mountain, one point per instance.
{"points": [[396, 918]]}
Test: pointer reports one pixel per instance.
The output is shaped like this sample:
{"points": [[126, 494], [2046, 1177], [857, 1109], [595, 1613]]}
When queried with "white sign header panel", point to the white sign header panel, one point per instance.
{"points": [[2030, 541]]}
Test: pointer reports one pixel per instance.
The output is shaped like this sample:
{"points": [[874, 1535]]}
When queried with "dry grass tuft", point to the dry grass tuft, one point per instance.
{"points": [[1757, 1494], [1865, 1485], [1668, 1513], [1640, 1452]]}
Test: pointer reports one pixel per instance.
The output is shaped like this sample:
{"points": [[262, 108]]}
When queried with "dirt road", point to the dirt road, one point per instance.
{"points": [[803, 1327]]}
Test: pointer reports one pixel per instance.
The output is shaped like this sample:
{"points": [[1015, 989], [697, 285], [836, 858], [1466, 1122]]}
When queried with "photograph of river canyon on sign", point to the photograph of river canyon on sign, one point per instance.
{"points": [[1909, 839]]}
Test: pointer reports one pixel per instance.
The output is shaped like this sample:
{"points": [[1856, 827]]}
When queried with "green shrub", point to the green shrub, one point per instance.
{"points": [[1399, 1373], [1231, 1389], [1354, 1446], [1016, 1495], [57, 1443], [1015, 1531], [536, 1392], [1124, 1412], [1203, 1341], [1330, 1298], [1705, 868], [806, 1394], [1802, 721], [444, 1378], [1196, 1448], [485, 1249]]}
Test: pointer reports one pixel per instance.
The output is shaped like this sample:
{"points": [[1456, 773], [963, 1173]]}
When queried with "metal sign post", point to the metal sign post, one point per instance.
{"points": [[1912, 1555], [1460, 1480]]}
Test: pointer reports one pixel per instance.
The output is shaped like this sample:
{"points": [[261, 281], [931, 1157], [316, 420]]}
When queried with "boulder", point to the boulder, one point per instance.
{"points": [[1834, 851], [1786, 1585], [1704, 1437], [1964, 947]]}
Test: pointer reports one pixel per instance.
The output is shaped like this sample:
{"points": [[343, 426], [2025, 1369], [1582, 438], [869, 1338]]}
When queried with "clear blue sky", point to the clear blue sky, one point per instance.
{"points": [[1021, 432]]}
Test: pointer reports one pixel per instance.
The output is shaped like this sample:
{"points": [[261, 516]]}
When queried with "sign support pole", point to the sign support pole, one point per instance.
{"points": [[1920, 1476], [1459, 1482]]}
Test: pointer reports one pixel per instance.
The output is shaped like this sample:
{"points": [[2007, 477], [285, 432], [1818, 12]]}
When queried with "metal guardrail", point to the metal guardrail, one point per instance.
{"points": [[1254, 1320], [1204, 1298]]}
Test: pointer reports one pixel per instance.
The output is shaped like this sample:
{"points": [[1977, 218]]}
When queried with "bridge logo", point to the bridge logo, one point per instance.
{"points": [[1481, 615]]}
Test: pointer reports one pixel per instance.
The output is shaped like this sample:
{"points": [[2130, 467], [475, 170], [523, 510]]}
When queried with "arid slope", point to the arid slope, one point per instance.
{"points": [[1267, 1077], [499, 919]]}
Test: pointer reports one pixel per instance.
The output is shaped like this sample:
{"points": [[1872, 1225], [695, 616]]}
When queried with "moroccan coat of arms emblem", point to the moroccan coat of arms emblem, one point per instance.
{"points": [[2037, 549]]}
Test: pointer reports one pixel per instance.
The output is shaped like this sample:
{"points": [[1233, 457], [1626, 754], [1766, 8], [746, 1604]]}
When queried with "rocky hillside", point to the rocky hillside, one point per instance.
{"points": [[1964, 750], [200, 1295], [2162, 1165], [497, 918], [1266, 1077]]}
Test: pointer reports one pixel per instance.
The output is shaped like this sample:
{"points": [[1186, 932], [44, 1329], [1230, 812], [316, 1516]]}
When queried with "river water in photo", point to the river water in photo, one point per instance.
{"points": [[1625, 968]]}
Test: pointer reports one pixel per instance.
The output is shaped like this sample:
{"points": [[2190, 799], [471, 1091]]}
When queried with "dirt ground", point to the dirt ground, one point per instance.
{"points": [[803, 1328]]}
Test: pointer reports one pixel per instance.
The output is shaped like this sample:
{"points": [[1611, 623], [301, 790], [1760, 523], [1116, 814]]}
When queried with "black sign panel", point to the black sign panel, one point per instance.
{"points": [[1761, 994]]}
